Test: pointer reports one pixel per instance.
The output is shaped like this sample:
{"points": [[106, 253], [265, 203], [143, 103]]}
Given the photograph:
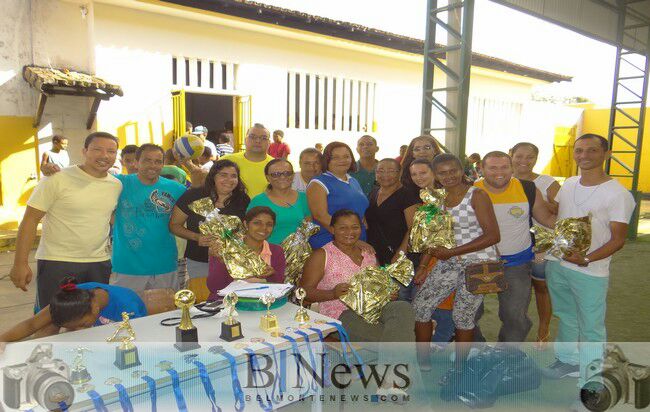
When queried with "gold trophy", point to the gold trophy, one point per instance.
{"points": [[126, 355], [302, 317], [79, 374], [268, 322], [230, 328], [187, 337]]}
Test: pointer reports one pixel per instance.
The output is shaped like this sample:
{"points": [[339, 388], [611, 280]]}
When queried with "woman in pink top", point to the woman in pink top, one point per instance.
{"points": [[327, 273], [258, 222]]}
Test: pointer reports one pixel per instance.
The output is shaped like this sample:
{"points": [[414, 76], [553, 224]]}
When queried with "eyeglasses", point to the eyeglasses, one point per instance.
{"points": [[277, 175], [420, 148], [389, 171], [258, 138]]}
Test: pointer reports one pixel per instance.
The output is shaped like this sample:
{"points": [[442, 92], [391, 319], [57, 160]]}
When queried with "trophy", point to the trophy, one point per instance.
{"points": [[230, 328], [302, 317], [79, 374], [187, 336], [126, 355], [268, 322]]}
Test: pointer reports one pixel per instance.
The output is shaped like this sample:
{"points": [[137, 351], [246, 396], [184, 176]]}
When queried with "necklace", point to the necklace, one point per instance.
{"points": [[575, 190]]}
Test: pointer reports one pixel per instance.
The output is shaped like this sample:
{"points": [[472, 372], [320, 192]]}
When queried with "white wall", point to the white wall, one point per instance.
{"points": [[134, 49]]}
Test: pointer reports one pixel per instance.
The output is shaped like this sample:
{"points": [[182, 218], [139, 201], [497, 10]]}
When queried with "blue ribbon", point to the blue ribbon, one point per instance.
{"points": [[97, 401], [178, 394], [278, 384], [345, 344], [240, 402], [125, 401], [296, 356], [152, 391], [326, 358], [312, 359], [255, 367], [207, 385]]}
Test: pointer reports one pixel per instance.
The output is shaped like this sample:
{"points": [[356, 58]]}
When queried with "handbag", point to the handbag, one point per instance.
{"points": [[485, 277]]}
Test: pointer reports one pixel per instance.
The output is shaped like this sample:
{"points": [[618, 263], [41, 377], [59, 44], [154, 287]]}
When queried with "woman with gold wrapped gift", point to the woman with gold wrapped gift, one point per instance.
{"points": [[224, 187], [476, 232], [258, 223], [327, 275]]}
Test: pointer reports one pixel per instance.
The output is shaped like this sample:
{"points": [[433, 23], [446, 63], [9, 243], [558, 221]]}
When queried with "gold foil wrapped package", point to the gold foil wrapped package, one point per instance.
{"points": [[432, 225], [371, 288], [216, 226], [242, 262], [227, 232], [570, 236], [297, 249]]}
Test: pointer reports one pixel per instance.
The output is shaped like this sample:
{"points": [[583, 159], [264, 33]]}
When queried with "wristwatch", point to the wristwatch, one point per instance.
{"points": [[586, 262]]}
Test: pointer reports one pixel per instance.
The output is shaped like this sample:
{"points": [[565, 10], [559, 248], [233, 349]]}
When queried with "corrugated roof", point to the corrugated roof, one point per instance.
{"points": [[350, 31]]}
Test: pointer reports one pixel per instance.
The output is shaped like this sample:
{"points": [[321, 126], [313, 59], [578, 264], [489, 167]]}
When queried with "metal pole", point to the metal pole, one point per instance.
{"points": [[428, 68]]}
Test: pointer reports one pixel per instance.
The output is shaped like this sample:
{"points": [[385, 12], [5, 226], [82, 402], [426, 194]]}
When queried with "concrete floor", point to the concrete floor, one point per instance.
{"points": [[15, 305]]}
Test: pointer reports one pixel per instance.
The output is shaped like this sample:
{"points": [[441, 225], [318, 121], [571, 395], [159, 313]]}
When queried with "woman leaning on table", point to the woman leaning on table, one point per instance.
{"points": [[223, 185], [258, 223], [326, 278]]}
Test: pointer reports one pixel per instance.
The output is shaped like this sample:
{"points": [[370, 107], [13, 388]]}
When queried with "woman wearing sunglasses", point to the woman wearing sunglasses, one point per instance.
{"points": [[290, 206]]}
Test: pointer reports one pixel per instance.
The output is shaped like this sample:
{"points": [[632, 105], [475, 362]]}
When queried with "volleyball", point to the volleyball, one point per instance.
{"points": [[189, 146]]}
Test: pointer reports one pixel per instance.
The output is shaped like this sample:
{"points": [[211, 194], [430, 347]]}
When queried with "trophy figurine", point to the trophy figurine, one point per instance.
{"points": [[230, 328], [126, 355], [268, 322], [302, 317], [79, 374], [187, 336]]}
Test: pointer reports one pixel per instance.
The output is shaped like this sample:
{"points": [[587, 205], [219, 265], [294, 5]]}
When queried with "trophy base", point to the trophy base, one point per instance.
{"points": [[187, 339], [269, 323], [232, 332], [80, 376], [126, 358], [301, 316]]}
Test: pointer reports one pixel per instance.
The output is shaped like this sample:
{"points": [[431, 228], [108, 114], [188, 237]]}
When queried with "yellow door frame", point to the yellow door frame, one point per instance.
{"points": [[242, 114]]}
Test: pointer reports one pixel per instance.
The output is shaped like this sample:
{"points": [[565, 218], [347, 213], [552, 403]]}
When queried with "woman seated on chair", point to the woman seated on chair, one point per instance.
{"points": [[79, 306], [327, 275], [258, 223]]}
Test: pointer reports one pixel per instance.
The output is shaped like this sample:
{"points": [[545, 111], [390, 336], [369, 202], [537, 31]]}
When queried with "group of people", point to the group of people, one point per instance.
{"points": [[365, 210]]}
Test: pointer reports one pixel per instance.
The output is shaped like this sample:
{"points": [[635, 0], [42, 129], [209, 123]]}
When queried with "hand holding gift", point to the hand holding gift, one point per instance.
{"points": [[226, 235], [297, 249], [372, 288], [432, 225], [571, 237]]}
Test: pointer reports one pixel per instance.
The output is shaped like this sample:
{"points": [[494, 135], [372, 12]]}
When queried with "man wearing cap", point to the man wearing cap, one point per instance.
{"points": [[202, 132]]}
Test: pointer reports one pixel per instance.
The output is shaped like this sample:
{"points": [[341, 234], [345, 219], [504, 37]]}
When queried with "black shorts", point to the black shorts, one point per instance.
{"points": [[50, 273]]}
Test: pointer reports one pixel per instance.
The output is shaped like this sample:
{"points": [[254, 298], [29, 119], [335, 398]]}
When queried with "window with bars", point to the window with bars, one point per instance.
{"points": [[321, 102], [204, 74]]}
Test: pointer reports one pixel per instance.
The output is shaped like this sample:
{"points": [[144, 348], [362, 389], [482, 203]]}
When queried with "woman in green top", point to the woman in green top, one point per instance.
{"points": [[289, 205]]}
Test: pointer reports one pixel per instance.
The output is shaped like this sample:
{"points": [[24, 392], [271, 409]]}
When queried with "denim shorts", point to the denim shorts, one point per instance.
{"points": [[539, 271]]}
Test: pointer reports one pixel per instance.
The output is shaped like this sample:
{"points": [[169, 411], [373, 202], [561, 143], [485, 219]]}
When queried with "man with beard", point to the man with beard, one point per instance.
{"points": [[144, 250], [515, 202], [78, 202]]}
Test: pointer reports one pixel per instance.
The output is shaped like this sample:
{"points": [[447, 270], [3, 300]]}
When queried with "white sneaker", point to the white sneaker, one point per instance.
{"points": [[472, 352]]}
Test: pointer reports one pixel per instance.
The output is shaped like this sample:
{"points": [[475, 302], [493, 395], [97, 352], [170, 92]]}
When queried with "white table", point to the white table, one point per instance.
{"points": [[155, 344]]}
